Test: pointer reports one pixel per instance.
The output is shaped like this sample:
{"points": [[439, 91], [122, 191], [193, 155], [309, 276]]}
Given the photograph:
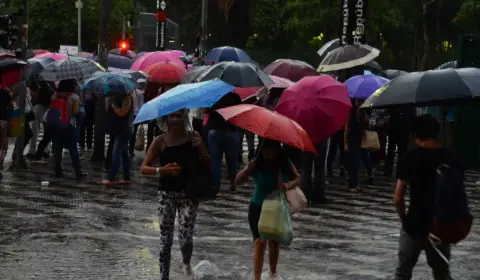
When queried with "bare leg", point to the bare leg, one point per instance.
{"points": [[259, 247]]}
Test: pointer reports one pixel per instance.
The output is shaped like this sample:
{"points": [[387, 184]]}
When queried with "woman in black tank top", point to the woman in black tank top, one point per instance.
{"points": [[175, 149]]}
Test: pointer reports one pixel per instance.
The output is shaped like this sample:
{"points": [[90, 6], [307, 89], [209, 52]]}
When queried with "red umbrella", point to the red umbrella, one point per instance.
{"points": [[319, 104], [37, 52], [268, 124], [166, 73], [290, 69]]}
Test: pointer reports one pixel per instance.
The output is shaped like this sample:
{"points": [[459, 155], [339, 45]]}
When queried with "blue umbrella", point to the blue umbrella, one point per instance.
{"points": [[363, 86], [186, 96], [104, 83], [118, 61], [227, 54]]}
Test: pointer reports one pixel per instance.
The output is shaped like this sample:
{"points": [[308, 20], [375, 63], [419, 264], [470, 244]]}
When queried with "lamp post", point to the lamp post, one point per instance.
{"points": [[79, 6]]}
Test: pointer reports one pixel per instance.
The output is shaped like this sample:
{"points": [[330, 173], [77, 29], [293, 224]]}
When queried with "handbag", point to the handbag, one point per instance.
{"points": [[370, 141], [200, 184], [296, 200], [140, 139]]}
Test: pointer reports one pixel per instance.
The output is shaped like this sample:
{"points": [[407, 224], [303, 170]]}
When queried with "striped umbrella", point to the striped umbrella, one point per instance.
{"points": [[71, 68]]}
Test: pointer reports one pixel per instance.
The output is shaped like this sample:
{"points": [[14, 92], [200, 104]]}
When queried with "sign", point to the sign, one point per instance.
{"points": [[360, 13], [163, 5], [79, 4], [68, 50], [344, 26], [161, 18]]}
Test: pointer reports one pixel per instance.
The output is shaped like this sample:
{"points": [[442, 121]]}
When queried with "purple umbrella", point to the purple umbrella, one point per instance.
{"points": [[362, 86]]}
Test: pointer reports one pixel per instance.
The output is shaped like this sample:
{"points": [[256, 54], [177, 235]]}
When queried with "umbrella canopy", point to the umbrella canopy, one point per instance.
{"points": [[347, 57], [85, 54], [30, 54], [38, 64], [363, 86], [238, 74], [137, 75], [328, 46], [227, 54], [187, 96], [118, 51], [392, 73], [280, 82], [71, 68], [11, 64], [39, 51], [106, 83], [374, 66], [268, 124], [54, 56], [177, 53], [449, 64], [118, 61], [430, 88], [319, 104], [166, 73], [290, 69], [154, 57], [194, 74], [6, 54]]}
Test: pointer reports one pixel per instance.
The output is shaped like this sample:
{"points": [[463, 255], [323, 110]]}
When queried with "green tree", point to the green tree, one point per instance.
{"points": [[267, 25], [468, 17]]}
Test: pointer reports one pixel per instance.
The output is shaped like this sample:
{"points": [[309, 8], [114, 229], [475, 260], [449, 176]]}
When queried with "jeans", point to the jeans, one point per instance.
{"points": [[47, 137], [66, 138], [395, 141], [108, 157], [408, 252], [223, 142], [250, 142], [314, 191], [39, 111], [120, 155], [355, 157], [336, 143]]}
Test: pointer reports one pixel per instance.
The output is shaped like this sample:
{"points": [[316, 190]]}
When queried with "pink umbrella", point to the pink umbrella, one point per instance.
{"points": [[54, 56], [246, 93], [154, 57], [39, 51], [280, 82], [85, 54], [177, 53], [320, 104]]}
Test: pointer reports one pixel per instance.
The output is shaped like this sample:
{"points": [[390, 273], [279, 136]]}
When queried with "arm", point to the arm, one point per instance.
{"points": [[155, 149], [245, 173], [202, 150], [399, 199], [126, 106]]}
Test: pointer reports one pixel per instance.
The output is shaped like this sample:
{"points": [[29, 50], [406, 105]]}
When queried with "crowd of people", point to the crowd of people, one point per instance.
{"points": [[176, 140]]}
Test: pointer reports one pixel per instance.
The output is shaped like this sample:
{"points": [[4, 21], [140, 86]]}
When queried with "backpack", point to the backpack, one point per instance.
{"points": [[452, 219], [58, 115]]}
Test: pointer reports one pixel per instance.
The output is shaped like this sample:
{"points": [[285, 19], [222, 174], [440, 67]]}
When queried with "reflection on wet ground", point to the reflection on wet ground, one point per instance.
{"points": [[71, 230]]}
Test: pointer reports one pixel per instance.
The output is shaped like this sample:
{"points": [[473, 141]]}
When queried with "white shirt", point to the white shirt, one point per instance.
{"points": [[138, 100]]}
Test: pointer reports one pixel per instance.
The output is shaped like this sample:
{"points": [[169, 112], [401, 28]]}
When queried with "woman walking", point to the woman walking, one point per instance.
{"points": [[266, 169], [6, 100], [176, 149]]}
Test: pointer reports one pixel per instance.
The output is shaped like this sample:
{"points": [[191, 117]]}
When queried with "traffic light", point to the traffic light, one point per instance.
{"points": [[124, 47]]}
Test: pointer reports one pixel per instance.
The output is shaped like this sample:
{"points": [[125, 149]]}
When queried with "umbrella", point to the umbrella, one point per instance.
{"points": [[392, 74], [268, 124], [280, 82], [85, 54], [238, 74], [449, 64], [187, 96], [118, 51], [319, 104], [39, 51], [177, 53], [38, 64], [194, 74], [105, 83], [11, 64], [118, 61], [363, 86], [54, 56], [430, 88], [6, 54], [71, 68], [347, 57], [374, 66], [154, 57], [186, 59], [30, 54], [328, 46], [290, 69], [226, 54], [166, 73], [137, 75]]}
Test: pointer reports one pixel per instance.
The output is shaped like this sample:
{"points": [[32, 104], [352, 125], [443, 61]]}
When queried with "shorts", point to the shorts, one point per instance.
{"points": [[254, 212]]}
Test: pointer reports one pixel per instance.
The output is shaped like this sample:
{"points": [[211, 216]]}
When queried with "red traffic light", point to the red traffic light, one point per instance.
{"points": [[123, 45]]}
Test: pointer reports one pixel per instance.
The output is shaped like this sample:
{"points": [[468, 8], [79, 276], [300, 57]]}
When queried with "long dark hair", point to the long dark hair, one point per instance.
{"points": [[280, 164]]}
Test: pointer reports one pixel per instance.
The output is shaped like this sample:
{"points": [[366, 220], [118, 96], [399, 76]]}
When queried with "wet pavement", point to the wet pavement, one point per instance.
{"points": [[71, 230]]}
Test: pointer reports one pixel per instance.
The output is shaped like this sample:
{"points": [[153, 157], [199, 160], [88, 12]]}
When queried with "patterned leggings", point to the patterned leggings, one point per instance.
{"points": [[168, 205], [3, 141]]}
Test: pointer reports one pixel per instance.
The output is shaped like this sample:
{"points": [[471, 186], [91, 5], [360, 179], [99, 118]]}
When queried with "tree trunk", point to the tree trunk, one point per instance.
{"points": [[426, 35]]}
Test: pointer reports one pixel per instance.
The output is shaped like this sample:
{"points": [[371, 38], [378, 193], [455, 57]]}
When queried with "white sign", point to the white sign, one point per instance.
{"points": [[68, 50], [163, 5], [79, 4]]}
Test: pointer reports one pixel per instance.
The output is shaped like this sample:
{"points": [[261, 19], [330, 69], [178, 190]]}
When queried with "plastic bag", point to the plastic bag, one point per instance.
{"points": [[275, 221], [16, 123], [140, 139], [296, 200]]}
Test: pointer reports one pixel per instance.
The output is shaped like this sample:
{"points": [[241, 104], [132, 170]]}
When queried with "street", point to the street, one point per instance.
{"points": [[71, 230]]}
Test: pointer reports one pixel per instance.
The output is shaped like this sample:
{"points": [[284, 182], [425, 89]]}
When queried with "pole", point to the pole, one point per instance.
{"points": [[79, 5], [161, 19], [204, 32], [19, 161], [99, 125], [123, 27]]}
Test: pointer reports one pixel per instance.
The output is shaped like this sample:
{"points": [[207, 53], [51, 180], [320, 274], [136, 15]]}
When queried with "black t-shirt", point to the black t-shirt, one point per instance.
{"points": [[216, 121], [418, 167], [5, 99]]}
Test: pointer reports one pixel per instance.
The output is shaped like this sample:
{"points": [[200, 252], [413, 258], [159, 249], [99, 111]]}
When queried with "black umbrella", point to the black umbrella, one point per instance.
{"points": [[347, 56], [328, 46], [430, 88], [374, 66], [118, 61], [194, 73], [30, 54], [238, 74], [11, 64], [392, 73], [185, 59], [38, 64]]}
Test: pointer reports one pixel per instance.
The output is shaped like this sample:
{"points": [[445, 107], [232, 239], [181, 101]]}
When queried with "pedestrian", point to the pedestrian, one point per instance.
{"points": [[86, 131], [315, 165], [336, 144], [29, 118], [270, 164], [355, 126], [119, 108], [38, 109], [418, 170], [138, 101], [176, 149], [223, 139], [6, 100], [45, 94], [250, 137], [62, 121], [399, 127]]}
